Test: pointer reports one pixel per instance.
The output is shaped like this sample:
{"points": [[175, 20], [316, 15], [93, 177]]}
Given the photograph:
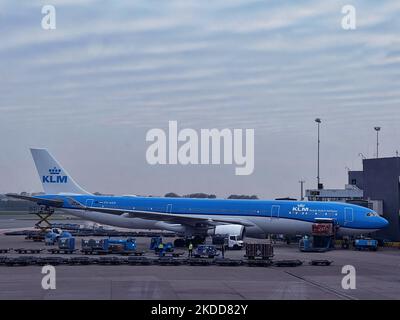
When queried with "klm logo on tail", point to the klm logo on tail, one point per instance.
{"points": [[55, 177]]}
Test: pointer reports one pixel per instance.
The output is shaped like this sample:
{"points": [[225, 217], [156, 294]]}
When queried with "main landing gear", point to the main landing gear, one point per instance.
{"points": [[184, 242]]}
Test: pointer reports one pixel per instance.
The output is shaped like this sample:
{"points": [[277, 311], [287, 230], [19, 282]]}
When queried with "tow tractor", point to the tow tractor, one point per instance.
{"points": [[110, 245], [322, 238], [155, 243], [122, 246]]}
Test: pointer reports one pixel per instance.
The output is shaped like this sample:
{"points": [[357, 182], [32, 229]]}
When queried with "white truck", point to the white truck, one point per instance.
{"points": [[231, 242], [234, 242]]}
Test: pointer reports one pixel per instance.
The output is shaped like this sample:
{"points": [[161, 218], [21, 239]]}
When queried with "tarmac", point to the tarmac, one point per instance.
{"points": [[377, 277]]}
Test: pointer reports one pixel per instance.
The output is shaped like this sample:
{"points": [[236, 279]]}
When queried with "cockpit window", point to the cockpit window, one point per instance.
{"points": [[372, 214]]}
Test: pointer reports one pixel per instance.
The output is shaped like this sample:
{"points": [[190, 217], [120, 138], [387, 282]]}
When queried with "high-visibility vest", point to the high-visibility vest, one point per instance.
{"points": [[190, 247]]}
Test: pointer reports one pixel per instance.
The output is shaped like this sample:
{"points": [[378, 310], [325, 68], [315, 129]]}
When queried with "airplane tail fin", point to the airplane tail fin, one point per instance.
{"points": [[53, 176]]}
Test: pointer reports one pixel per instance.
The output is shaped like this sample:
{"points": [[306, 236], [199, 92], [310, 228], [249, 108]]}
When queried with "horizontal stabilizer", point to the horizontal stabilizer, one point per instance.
{"points": [[39, 201]]}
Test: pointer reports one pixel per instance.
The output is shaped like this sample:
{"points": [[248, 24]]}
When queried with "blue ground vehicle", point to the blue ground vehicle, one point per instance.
{"points": [[155, 243], [54, 234], [366, 244], [122, 246], [206, 251], [109, 245]]}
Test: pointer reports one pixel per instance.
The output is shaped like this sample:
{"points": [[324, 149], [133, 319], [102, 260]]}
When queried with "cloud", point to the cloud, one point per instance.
{"points": [[112, 67]]}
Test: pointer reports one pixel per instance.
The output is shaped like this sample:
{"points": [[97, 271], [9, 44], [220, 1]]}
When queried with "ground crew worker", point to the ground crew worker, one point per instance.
{"points": [[190, 250], [223, 251], [161, 249]]}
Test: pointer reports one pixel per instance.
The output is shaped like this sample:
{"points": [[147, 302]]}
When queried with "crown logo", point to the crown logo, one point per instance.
{"points": [[54, 171]]}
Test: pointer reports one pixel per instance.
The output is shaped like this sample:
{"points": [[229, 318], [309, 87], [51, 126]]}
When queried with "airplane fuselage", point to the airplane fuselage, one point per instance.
{"points": [[266, 217], [187, 216]]}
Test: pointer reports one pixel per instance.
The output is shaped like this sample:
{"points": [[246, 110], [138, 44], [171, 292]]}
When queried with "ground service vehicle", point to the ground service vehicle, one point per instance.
{"points": [[231, 242], [206, 251], [155, 243], [366, 244], [322, 238], [52, 236], [122, 246]]}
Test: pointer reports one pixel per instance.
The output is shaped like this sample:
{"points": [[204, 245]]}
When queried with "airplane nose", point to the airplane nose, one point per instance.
{"points": [[383, 222]]}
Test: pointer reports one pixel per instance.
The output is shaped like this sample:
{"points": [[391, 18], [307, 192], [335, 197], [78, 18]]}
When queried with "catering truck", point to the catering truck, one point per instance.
{"points": [[323, 233]]}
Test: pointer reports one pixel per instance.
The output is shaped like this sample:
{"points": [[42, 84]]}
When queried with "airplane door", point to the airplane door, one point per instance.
{"points": [[89, 202], [169, 208], [275, 211], [348, 215]]}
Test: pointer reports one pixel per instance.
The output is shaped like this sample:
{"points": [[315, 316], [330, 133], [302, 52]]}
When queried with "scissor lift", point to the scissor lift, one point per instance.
{"points": [[43, 213]]}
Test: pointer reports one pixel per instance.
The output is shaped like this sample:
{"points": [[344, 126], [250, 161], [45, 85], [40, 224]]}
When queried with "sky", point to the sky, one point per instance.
{"points": [[91, 89]]}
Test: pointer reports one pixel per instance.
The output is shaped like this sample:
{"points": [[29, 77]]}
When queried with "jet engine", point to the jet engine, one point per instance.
{"points": [[231, 229]]}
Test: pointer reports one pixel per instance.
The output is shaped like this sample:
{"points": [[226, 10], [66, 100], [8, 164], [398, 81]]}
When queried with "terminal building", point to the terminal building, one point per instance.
{"points": [[377, 186]]}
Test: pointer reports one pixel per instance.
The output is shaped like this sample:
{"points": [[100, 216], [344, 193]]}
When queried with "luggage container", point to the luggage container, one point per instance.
{"points": [[93, 246], [264, 251], [65, 245]]}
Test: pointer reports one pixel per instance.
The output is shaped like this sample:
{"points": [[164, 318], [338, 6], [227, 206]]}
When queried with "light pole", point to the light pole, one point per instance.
{"points": [[377, 129], [318, 121], [302, 182]]}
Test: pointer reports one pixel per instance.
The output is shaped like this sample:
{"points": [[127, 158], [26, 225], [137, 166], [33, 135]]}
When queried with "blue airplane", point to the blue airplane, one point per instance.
{"points": [[202, 217]]}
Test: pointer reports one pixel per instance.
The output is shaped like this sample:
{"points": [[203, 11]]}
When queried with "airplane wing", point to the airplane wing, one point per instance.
{"points": [[39, 201], [161, 216]]}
